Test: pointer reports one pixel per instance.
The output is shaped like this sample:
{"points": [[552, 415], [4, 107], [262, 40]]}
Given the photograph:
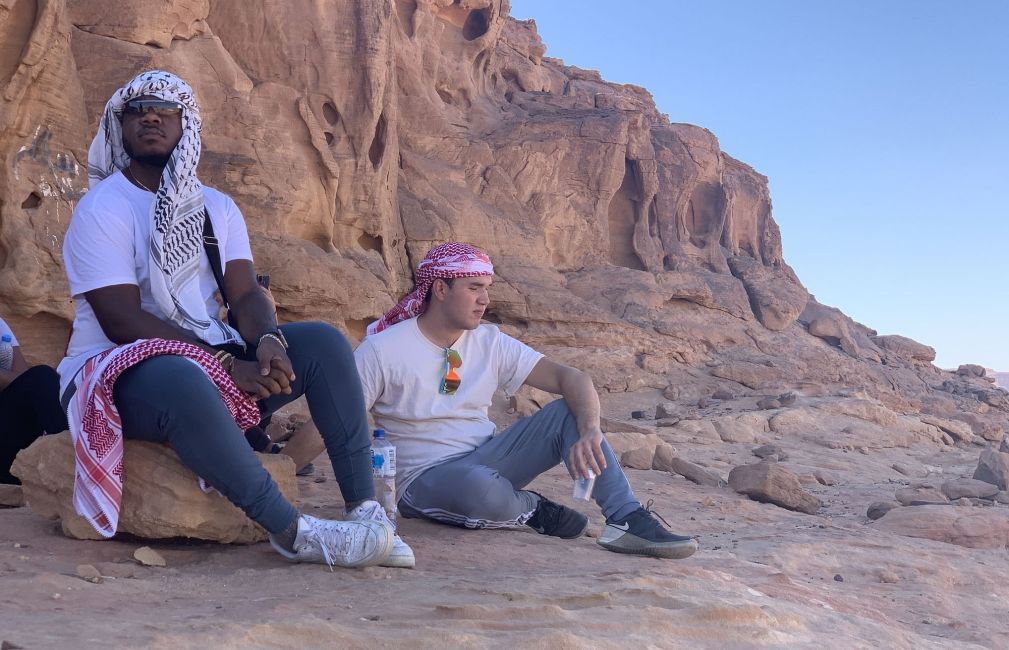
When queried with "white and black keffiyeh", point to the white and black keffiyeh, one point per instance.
{"points": [[177, 212]]}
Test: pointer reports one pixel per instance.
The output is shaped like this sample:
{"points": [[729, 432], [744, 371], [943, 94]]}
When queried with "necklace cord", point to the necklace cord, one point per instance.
{"points": [[136, 181]]}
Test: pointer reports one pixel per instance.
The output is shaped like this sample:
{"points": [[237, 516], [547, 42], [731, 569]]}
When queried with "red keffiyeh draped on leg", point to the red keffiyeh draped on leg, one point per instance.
{"points": [[98, 432], [450, 260]]}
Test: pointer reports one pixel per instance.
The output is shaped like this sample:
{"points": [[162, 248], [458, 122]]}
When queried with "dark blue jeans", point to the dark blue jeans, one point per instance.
{"points": [[169, 399]]}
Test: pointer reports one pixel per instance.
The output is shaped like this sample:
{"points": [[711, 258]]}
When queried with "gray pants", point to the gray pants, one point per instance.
{"points": [[169, 399], [483, 488]]}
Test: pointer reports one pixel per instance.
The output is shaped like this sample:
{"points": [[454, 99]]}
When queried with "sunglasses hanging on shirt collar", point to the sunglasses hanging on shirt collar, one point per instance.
{"points": [[450, 382]]}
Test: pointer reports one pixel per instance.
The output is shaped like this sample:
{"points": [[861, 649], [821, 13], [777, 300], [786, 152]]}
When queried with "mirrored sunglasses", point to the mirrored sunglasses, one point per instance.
{"points": [[451, 381], [158, 106]]}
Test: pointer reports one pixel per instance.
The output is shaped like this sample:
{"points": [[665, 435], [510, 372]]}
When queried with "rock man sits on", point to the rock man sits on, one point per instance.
{"points": [[149, 359], [429, 369]]}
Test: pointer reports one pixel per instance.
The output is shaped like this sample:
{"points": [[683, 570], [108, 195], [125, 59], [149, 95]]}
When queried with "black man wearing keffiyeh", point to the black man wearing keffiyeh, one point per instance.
{"points": [[149, 360]]}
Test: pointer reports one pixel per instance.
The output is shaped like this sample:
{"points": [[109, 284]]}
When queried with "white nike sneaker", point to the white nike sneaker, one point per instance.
{"points": [[339, 543], [402, 555]]}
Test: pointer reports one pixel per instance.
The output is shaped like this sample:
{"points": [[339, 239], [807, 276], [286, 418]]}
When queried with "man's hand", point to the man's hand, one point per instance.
{"points": [[274, 363], [587, 455], [271, 373]]}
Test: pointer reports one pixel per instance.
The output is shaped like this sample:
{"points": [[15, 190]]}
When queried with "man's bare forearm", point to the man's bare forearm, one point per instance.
{"points": [[145, 325], [583, 400], [254, 314]]}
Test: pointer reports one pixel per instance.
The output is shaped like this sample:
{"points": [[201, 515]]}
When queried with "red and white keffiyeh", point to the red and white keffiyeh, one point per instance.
{"points": [[450, 260], [97, 430]]}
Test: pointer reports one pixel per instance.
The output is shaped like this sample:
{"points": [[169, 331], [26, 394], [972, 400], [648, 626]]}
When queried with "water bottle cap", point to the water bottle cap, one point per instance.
{"points": [[6, 338], [380, 433]]}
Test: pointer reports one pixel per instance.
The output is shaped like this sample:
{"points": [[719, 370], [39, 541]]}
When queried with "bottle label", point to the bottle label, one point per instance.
{"points": [[383, 462]]}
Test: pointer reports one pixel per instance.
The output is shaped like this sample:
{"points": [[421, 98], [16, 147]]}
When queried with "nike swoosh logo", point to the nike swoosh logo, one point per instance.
{"points": [[623, 527]]}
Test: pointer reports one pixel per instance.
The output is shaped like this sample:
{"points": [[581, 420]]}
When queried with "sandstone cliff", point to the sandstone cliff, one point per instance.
{"points": [[356, 135]]}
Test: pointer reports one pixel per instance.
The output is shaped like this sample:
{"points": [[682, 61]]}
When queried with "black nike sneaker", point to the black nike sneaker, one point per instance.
{"points": [[556, 520], [640, 533]]}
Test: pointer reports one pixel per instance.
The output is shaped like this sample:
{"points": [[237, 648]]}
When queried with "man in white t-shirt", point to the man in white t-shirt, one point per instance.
{"points": [[140, 260], [429, 369]]}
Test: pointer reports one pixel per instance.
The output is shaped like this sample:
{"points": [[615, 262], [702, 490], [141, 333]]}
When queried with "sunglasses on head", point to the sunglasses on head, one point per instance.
{"points": [[161, 107], [450, 382]]}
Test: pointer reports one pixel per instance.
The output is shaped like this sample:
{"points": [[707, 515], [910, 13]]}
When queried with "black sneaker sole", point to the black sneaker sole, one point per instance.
{"points": [[637, 546]]}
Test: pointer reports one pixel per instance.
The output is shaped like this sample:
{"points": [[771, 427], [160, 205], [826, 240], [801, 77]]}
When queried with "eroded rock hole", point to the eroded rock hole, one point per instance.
{"points": [[445, 96], [491, 317], [653, 219], [405, 9], [623, 213], [377, 149], [476, 25], [330, 113], [33, 201], [330, 138], [370, 242]]}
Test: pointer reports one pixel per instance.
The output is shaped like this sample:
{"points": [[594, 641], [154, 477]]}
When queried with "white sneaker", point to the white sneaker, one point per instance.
{"points": [[339, 543], [402, 555]]}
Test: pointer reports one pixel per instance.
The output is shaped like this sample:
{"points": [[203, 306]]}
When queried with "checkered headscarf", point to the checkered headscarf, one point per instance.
{"points": [[450, 260]]}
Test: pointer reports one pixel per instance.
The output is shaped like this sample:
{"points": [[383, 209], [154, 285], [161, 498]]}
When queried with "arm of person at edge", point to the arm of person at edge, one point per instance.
{"points": [[580, 394], [18, 367], [117, 308]]}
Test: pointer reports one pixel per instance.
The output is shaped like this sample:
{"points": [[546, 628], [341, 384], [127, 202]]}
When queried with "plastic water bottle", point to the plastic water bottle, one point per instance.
{"points": [[6, 352], [383, 463]]}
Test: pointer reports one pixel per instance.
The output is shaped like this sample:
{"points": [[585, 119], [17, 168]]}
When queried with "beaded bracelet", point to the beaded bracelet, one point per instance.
{"points": [[275, 337], [226, 359]]}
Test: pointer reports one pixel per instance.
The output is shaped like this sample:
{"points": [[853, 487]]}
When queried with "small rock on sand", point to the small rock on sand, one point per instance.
{"points": [[149, 557], [880, 508], [89, 573]]}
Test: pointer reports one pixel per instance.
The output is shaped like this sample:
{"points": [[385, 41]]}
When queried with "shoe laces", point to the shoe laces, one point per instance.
{"points": [[373, 511], [546, 514], [329, 539], [648, 510]]}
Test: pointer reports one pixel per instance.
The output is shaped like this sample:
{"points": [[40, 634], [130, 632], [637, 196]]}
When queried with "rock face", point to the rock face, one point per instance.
{"points": [[623, 241], [769, 482], [161, 497]]}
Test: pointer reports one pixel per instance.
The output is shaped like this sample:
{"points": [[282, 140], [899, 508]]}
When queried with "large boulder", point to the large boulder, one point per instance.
{"points": [[769, 482], [905, 347], [970, 527], [161, 496], [993, 467], [969, 488], [694, 473], [776, 295]]}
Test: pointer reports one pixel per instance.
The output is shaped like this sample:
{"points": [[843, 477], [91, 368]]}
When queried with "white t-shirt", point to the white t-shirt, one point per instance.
{"points": [[5, 329], [108, 243], [401, 371]]}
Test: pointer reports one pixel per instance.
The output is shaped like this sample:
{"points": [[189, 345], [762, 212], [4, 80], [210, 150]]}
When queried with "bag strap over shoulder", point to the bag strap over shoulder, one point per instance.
{"points": [[210, 244]]}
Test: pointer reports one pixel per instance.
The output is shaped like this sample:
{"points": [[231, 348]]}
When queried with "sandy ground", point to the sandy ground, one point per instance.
{"points": [[763, 577]]}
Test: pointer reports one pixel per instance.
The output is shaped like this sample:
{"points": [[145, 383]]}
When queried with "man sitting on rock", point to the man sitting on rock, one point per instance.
{"points": [[149, 359], [429, 370]]}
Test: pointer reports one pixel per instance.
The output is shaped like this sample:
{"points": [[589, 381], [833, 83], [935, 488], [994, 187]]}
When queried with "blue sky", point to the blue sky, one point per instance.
{"points": [[882, 125]]}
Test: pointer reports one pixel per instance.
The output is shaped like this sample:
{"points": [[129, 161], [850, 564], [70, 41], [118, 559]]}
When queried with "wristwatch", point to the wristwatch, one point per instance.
{"points": [[274, 334]]}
